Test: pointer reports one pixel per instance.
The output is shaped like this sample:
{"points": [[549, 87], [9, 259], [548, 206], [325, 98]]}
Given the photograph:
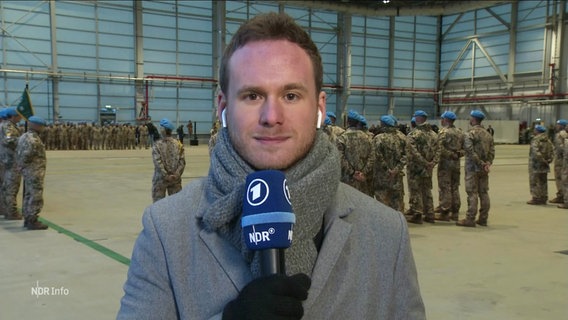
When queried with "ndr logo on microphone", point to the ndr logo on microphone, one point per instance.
{"points": [[270, 224]]}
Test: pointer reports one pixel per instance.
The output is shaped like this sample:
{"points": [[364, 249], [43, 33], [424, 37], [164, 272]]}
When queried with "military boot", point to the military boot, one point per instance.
{"points": [[557, 200], [430, 218], [444, 216], [536, 201], [563, 206], [416, 218], [467, 222], [438, 210], [32, 223], [14, 216], [455, 216]]}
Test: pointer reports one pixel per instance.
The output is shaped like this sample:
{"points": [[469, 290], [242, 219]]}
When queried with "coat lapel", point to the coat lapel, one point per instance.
{"points": [[228, 258]]}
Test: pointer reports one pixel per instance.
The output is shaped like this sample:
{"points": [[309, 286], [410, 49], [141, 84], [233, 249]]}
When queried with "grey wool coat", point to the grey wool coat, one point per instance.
{"points": [[364, 270]]}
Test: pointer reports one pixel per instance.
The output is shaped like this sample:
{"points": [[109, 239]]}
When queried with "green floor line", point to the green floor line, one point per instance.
{"points": [[102, 249]]}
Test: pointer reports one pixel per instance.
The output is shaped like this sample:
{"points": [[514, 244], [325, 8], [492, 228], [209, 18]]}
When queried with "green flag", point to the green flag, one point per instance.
{"points": [[25, 108]]}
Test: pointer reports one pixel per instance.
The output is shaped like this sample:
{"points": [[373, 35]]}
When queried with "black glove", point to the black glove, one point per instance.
{"points": [[272, 297]]}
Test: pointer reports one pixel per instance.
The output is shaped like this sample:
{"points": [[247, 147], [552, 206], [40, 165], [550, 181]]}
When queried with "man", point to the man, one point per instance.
{"points": [[479, 155], [169, 163], [540, 156], [390, 159], [450, 147], [9, 135], [357, 156], [422, 156], [31, 162], [559, 139], [189, 261]]}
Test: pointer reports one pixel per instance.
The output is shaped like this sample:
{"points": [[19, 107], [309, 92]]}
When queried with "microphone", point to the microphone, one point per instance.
{"points": [[268, 219]]}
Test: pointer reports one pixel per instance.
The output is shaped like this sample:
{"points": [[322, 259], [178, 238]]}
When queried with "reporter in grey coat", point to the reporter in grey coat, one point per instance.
{"points": [[350, 257]]}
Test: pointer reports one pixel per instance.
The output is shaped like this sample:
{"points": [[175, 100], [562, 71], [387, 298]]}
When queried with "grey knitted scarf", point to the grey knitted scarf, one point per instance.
{"points": [[312, 181]]}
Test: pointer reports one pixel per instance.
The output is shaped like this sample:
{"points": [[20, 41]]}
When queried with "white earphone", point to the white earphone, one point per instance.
{"points": [[224, 118], [318, 124]]}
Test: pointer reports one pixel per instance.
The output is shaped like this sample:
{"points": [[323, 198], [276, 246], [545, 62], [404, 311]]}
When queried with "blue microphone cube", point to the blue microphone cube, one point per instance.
{"points": [[268, 218]]}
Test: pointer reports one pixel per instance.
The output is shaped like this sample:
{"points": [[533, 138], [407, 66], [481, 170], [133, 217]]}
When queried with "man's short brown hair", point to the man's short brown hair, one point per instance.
{"points": [[271, 26]]}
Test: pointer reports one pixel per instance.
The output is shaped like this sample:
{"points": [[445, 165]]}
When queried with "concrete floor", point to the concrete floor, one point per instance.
{"points": [[94, 201]]}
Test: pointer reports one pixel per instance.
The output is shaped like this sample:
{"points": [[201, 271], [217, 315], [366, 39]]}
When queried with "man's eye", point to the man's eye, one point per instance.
{"points": [[252, 96], [291, 96]]}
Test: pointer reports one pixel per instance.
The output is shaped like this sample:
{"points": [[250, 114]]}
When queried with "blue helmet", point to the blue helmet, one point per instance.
{"points": [[327, 121], [420, 113], [362, 120], [331, 114], [540, 128], [562, 122], [352, 114], [167, 124], [448, 115], [37, 120], [388, 120], [11, 112], [477, 114]]}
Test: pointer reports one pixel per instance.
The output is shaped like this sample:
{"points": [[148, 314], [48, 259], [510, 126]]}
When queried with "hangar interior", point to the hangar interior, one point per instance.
{"points": [[133, 61], [152, 59]]}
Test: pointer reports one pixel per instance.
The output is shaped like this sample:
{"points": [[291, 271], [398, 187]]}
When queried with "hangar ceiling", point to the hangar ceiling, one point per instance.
{"points": [[398, 7]]}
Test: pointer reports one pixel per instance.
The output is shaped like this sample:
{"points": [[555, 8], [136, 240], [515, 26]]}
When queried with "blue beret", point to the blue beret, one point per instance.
{"points": [[11, 112], [388, 120], [2, 113], [327, 121], [477, 114], [420, 113], [540, 128], [362, 120], [352, 114], [331, 114], [37, 120], [167, 124], [562, 122], [448, 115], [394, 118]]}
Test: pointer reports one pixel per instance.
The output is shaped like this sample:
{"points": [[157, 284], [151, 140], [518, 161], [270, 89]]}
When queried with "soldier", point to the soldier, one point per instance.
{"points": [[450, 148], [169, 162], [9, 135], [479, 155], [30, 161], [422, 156], [540, 156], [390, 159], [332, 130], [559, 138], [356, 150]]}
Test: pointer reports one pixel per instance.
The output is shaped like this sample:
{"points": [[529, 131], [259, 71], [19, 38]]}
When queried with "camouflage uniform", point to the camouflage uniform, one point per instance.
{"points": [[356, 149], [390, 159], [169, 162], [559, 139], [450, 148], [30, 159], [9, 134], [422, 156], [479, 153], [333, 132], [540, 156]]}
